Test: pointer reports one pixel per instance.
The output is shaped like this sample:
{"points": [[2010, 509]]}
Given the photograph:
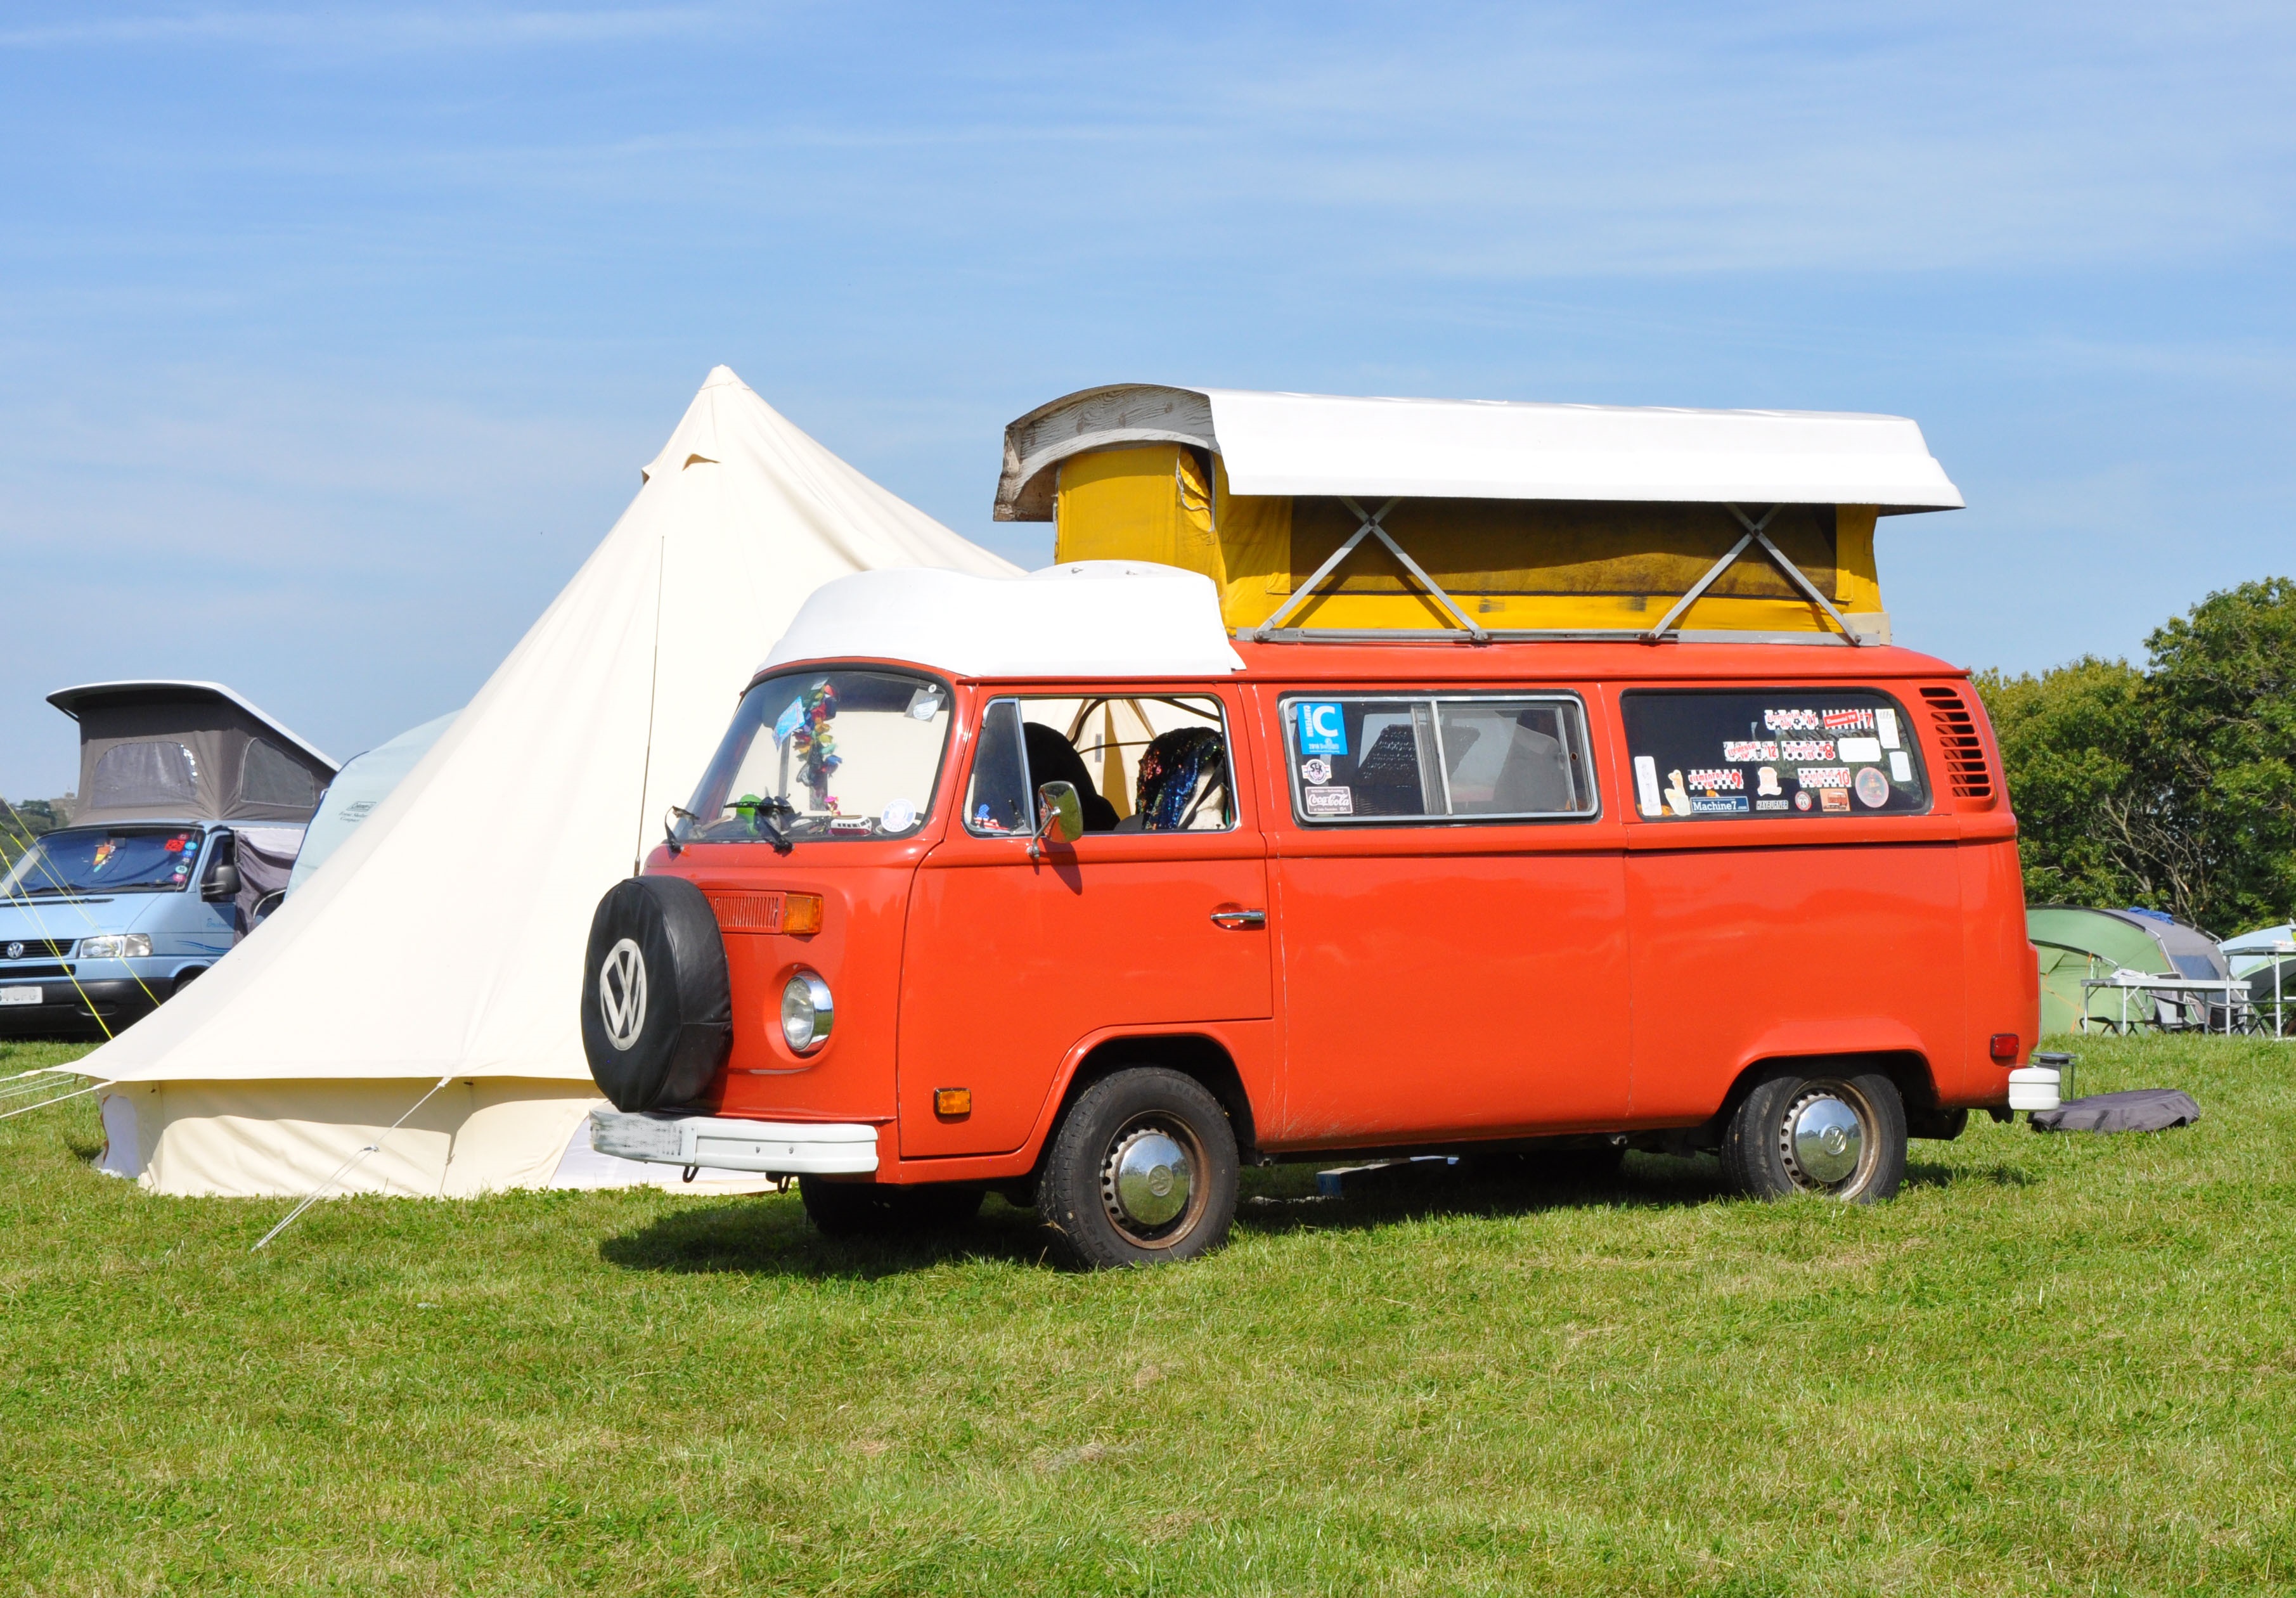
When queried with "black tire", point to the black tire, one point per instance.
{"points": [[1764, 1152], [869, 1210], [658, 1026], [1116, 1118]]}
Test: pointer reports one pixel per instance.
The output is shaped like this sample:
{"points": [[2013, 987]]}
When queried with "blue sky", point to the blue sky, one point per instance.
{"points": [[331, 339]]}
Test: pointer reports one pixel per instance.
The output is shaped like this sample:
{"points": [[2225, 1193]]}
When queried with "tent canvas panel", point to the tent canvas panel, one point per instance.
{"points": [[285, 1139], [2116, 937]]}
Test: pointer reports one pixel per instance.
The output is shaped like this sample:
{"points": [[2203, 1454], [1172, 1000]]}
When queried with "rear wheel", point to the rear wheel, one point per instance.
{"points": [[869, 1210], [1843, 1136], [1142, 1170]]}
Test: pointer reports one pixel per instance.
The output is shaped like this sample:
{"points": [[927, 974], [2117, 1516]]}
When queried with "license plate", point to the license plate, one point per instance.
{"points": [[19, 995]]}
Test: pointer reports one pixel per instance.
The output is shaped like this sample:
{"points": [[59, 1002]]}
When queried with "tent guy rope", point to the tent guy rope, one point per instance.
{"points": [[344, 1169]]}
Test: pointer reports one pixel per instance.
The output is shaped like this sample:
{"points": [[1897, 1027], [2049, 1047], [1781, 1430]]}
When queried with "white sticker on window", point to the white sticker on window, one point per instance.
{"points": [[1857, 752], [1328, 801], [1900, 768], [1646, 783], [1886, 723]]}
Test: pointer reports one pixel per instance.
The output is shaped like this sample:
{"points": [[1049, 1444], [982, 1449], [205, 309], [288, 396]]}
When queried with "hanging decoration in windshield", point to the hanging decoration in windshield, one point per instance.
{"points": [[844, 755], [1776, 752]]}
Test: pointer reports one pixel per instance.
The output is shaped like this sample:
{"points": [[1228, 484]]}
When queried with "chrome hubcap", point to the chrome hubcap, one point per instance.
{"points": [[1824, 1139], [1147, 1180]]}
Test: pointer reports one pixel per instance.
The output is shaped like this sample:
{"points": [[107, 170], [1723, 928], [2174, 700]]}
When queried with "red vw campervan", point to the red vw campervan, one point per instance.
{"points": [[1059, 886]]}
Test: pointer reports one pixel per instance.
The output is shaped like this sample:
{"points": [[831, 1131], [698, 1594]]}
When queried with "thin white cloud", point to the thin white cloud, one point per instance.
{"points": [[336, 32]]}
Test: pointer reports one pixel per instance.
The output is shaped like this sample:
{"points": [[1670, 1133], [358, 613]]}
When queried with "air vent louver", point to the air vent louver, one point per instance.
{"points": [[1966, 772]]}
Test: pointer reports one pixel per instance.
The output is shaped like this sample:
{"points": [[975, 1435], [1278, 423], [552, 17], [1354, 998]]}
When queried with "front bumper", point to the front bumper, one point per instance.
{"points": [[775, 1148], [88, 1005]]}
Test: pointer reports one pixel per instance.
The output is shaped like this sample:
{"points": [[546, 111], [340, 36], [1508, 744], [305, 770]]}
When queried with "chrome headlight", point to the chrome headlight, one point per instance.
{"points": [[807, 1013], [115, 945]]}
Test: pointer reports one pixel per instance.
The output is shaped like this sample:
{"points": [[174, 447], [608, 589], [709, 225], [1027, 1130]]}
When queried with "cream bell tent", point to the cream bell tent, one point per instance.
{"points": [[443, 939]]}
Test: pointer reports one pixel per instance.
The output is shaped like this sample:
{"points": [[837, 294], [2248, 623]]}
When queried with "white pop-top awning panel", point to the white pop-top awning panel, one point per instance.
{"points": [[1102, 619], [1298, 444]]}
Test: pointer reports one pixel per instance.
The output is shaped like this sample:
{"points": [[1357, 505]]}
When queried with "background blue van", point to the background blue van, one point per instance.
{"points": [[192, 804]]}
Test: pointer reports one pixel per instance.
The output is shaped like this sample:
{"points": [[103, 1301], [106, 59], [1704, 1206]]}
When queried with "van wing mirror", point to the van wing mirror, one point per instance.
{"points": [[1060, 813], [222, 883]]}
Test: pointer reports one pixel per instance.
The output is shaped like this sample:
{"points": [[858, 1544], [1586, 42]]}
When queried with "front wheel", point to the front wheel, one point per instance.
{"points": [[1142, 1171], [1841, 1136]]}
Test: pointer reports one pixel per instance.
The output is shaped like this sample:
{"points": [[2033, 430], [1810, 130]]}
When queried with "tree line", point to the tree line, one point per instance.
{"points": [[2172, 786]]}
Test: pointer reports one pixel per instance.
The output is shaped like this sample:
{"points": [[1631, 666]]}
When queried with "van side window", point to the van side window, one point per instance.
{"points": [[1776, 752], [1139, 763], [1437, 757]]}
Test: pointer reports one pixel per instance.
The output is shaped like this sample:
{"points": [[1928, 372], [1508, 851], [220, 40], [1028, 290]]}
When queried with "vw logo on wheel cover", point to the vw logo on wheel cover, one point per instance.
{"points": [[622, 994]]}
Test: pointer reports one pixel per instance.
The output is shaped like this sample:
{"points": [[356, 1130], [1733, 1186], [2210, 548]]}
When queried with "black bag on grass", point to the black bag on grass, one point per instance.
{"points": [[2139, 1110]]}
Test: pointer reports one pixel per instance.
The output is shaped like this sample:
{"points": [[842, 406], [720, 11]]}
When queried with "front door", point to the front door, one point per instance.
{"points": [[1453, 932], [1154, 921]]}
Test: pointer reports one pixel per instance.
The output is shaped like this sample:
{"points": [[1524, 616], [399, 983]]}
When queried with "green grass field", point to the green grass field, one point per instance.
{"points": [[2053, 1365]]}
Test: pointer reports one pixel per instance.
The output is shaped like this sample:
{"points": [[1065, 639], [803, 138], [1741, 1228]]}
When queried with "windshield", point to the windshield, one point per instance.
{"points": [[105, 860], [824, 754]]}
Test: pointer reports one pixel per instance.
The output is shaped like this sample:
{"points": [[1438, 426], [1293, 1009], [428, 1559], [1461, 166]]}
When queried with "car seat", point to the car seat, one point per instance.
{"points": [[1053, 758], [1182, 783]]}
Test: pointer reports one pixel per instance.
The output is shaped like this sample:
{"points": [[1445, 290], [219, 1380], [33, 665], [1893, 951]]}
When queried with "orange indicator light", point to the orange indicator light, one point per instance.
{"points": [[953, 1101], [797, 913]]}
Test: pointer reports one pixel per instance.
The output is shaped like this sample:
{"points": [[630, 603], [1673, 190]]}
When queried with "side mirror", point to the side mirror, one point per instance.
{"points": [[1059, 815], [222, 884]]}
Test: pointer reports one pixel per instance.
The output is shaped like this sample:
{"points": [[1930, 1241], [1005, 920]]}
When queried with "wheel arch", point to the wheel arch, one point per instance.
{"points": [[1908, 1070], [1195, 1055]]}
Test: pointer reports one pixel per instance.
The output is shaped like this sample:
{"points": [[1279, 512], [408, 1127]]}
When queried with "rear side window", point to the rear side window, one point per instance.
{"points": [[1404, 758], [1773, 752], [129, 775], [268, 777]]}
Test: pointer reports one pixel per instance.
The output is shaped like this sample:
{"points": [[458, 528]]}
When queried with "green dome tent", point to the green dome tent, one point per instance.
{"points": [[2077, 944]]}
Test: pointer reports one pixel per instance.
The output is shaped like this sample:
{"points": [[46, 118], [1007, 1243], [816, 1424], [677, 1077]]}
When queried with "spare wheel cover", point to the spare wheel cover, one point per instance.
{"points": [[657, 1009]]}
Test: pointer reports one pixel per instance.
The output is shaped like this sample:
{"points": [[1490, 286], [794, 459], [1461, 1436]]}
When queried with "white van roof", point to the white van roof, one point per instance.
{"points": [[1103, 618], [1322, 444]]}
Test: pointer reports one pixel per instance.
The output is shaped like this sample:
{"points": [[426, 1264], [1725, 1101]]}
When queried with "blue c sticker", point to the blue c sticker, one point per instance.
{"points": [[1322, 731]]}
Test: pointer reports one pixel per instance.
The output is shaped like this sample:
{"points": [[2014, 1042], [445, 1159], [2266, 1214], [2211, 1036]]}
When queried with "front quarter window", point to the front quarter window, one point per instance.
{"points": [[824, 754]]}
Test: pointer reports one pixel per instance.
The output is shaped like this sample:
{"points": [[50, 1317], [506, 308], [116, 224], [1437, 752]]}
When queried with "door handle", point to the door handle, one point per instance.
{"points": [[1236, 921]]}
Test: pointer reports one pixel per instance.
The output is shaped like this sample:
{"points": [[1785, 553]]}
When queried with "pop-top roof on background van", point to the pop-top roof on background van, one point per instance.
{"points": [[1324, 516], [162, 750]]}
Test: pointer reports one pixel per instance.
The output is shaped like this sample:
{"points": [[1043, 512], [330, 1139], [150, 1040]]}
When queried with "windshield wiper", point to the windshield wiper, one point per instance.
{"points": [[775, 810]]}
